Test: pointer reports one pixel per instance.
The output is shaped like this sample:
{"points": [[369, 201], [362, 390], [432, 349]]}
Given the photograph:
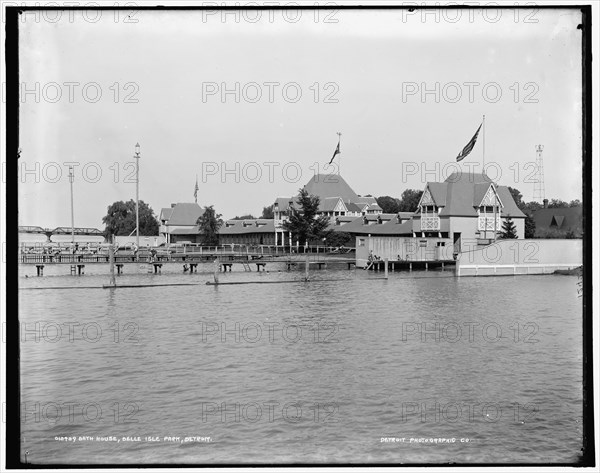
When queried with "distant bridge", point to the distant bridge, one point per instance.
{"points": [[60, 231]]}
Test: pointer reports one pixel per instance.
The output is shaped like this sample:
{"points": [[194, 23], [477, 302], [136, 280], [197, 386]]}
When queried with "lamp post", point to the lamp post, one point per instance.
{"points": [[137, 197], [71, 178], [290, 208]]}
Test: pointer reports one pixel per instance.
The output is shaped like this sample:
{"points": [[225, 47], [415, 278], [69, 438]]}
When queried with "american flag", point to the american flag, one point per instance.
{"points": [[470, 145]]}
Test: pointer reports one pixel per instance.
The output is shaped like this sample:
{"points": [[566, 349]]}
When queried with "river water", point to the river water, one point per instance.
{"points": [[422, 367]]}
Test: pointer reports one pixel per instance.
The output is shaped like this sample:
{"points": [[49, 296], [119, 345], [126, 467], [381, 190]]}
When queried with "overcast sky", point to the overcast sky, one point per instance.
{"points": [[359, 72]]}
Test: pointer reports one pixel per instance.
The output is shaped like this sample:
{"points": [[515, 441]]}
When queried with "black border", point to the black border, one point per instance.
{"points": [[13, 424]]}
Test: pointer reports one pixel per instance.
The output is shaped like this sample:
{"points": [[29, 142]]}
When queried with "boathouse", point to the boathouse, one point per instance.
{"points": [[467, 208], [179, 222]]}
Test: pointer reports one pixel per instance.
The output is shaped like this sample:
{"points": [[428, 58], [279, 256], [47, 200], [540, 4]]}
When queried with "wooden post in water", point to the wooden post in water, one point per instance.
{"points": [[306, 267], [216, 266], [386, 263], [111, 259]]}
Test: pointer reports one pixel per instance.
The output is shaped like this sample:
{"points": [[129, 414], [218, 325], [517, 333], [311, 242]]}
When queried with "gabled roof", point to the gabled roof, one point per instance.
{"points": [[353, 207], [510, 208], [284, 202], [374, 207], [329, 204], [461, 194], [330, 185], [438, 192], [165, 213], [185, 214]]}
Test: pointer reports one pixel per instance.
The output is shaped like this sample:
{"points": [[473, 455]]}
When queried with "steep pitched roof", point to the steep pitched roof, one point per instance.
{"points": [[329, 204], [462, 193], [330, 185], [352, 207], [510, 208], [469, 177], [165, 213], [185, 214]]}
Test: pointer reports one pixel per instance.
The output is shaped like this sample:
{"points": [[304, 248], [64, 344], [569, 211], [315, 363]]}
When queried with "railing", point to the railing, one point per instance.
{"points": [[487, 223], [430, 223], [99, 253]]}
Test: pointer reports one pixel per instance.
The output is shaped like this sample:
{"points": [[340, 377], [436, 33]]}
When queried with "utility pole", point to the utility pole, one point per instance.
{"points": [[71, 178], [137, 197]]}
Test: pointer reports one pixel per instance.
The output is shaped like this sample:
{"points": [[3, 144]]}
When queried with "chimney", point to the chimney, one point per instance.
{"points": [[545, 203]]}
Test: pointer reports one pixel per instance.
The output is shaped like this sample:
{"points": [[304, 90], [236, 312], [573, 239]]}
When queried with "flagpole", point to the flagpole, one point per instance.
{"points": [[483, 144], [340, 157]]}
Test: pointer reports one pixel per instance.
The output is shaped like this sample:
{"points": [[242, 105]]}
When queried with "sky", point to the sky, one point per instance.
{"points": [[251, 106]]}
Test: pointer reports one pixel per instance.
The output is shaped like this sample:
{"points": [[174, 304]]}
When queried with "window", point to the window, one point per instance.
{"points": [[361, 242], [422, 243]]}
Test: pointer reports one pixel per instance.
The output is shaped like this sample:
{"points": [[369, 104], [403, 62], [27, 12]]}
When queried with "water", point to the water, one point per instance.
{"points": [[149, 362]]}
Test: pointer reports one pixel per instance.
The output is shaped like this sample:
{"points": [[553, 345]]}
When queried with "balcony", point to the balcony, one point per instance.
{"points": [[487, 224], [430, 224]]}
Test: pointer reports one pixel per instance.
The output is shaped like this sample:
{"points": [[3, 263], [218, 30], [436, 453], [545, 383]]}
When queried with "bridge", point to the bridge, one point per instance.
{"points": [[60, 231]]}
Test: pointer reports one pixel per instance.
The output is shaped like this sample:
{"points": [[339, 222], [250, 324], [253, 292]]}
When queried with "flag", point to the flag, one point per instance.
{"points": [[470, 145], [196, 190], [335, 153]]}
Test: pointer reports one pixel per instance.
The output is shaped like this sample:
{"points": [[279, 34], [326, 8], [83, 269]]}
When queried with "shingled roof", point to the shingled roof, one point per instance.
{"points": [[461, 194], [185, 214], [239, 227], [562, 218], [331, 185]]}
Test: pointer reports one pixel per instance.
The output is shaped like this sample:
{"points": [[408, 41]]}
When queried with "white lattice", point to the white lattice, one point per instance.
{"points": [[487, 223], [430, 223]]}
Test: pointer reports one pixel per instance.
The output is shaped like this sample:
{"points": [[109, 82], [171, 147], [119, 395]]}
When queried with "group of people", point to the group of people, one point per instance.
{"points": [[373, 257], [57, 250]]}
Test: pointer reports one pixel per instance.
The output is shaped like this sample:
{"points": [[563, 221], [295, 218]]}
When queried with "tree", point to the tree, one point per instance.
{"points": [[120, 219], [389, 205], [209, 224], [557, 204], [575, 203], [333, 238], [268, 212], [517, 197], [304, 223], [244, 217], [409, 200], [529, 226], [509, 229], [527, 209]]}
